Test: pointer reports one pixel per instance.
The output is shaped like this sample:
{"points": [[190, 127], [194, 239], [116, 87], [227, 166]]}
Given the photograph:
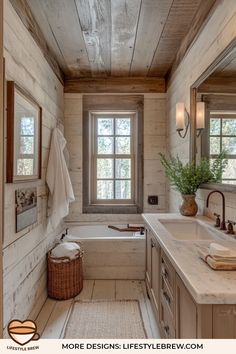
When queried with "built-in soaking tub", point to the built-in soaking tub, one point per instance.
{"points": [[110, 254]]}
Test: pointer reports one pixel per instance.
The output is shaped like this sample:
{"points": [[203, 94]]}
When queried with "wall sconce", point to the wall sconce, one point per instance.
{"points": [[200, 117], [182, 119]]}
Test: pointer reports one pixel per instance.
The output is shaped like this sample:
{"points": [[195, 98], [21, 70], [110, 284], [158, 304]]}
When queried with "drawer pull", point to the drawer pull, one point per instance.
{"points": [[164, 272], [166, 297], [167, 330]]}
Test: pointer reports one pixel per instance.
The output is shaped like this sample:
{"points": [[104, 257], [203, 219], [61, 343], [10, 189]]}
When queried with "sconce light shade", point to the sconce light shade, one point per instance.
{"points": [[182, 119], [200, 117], [180, 116]]}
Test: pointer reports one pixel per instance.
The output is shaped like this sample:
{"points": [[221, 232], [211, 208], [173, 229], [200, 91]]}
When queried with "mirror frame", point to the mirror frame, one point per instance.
{"points": [[193, 99], [12, 91]]}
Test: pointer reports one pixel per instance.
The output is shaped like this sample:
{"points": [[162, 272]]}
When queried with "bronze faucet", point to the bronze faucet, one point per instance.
{"points": [[222, 225]]}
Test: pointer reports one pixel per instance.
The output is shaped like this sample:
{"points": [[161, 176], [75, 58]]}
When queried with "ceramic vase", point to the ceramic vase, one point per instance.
{"points": [[189, 206]]}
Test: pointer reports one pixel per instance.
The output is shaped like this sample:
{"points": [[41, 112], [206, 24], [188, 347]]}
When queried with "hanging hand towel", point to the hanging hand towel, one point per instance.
{"points": [[58, 179]]}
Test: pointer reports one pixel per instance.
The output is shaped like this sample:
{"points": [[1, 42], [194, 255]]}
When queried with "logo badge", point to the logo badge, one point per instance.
{"points": [[23, 332]]}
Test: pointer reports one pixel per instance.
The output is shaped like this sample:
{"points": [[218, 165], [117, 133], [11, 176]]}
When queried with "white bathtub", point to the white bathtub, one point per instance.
{"points": [[110, 254]]}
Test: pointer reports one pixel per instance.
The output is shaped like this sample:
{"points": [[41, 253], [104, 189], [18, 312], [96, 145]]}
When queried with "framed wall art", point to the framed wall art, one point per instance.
{"points": [[26, 207], [24, 135]]}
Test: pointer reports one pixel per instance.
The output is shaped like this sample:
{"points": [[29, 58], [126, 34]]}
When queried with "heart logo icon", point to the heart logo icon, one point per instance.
{"points": [[22, 332]]}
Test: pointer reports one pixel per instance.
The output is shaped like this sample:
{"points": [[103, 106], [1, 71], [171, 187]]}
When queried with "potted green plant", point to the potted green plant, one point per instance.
{"points": [[186, 178]]}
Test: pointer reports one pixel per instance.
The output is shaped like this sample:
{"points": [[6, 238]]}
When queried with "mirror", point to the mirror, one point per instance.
{"points": [[24, 125], [217, 89]]}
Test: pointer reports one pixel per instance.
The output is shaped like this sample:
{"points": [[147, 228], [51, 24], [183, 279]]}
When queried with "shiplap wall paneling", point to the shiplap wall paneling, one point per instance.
{"points": [[24, 253]]}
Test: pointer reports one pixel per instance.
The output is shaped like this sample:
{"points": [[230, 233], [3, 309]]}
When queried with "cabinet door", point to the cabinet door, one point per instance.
{"points": [[224, 321], [155, 279], [186, 312], [148, 257]]}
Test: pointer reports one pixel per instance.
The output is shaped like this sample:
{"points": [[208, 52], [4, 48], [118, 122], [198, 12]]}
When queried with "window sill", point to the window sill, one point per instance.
{"points": [[112, 209], [228, 188]]}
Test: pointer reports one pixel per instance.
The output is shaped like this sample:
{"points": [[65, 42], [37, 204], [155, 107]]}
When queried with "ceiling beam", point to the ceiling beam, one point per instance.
{"points": [[202, 16], [218, 85], [115, 85], [24, 12]]}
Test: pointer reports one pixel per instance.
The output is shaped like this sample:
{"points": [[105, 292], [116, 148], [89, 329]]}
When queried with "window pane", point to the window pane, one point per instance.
{"points": [[105, 145], [25, 167], [123, 145], [214, 145], [214, 126], [105, 126], [229, 144], [123, 126], [229, 126], [230, 171], [27, 145], [27, 125], [123, 168], [123, 189], [105, 190], [104, 168]]}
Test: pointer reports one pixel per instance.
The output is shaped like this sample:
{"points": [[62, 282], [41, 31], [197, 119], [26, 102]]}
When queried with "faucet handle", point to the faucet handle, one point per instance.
{"points": [[230, 228], [231, 222], [217, 224]]}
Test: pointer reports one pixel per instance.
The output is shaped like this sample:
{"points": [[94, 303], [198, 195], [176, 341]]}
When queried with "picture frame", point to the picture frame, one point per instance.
{"points": [[24, 135], [26, 208]]}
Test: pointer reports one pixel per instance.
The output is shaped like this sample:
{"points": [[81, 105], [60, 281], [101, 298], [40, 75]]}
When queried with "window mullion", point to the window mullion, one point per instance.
{"points": [[114, 160]]}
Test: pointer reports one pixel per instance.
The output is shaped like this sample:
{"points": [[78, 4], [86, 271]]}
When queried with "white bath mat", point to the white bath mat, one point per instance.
{"points": [[105, 319]]}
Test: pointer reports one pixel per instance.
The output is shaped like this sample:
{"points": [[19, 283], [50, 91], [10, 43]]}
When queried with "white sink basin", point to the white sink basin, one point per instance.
{"points": [[189, 230]]}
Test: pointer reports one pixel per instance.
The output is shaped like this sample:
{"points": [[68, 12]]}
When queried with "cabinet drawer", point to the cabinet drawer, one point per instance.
{"points": [[167, 297], [167, 272], [166, 323]]}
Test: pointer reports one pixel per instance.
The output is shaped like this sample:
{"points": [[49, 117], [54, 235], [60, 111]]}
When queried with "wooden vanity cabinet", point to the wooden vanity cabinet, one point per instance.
{"points": [[153, 269], [186, 312], [178, 315]]}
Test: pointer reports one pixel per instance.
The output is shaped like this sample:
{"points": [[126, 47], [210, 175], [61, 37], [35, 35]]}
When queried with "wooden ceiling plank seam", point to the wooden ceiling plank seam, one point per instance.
{"points": [[136, 33], [27, 17], [154, 54], [152, 19], [203, 14], [175, 29], [46, 28], [63, 17], [81, 30], [95, 21], [124, 17]]}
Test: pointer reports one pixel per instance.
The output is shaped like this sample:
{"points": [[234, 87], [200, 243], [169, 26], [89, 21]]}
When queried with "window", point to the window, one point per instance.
{"points": [[113, 148], [113, 154], [222, 136]]}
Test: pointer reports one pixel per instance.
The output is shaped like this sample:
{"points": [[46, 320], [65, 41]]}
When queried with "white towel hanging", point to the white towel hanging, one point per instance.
{"points": [[58, 179]]}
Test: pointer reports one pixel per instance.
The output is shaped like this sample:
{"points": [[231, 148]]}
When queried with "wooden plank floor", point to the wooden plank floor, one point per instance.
{"points": [[53, 316]]}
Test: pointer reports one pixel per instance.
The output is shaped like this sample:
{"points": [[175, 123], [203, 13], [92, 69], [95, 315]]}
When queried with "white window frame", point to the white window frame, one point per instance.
{"points": [[94, 115]]}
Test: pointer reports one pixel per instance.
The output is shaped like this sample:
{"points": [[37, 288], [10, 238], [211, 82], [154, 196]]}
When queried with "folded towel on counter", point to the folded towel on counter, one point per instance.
{"points": [[66, 249], [218, 250], [227, 262]]}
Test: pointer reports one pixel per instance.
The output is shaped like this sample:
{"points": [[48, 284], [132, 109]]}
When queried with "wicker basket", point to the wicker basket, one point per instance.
{"points": [[65, 276]]}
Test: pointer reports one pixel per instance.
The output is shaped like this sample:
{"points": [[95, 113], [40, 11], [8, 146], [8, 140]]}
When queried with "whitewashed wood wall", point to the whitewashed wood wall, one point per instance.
{"points": [[217, 34], [154, 142], [24, 253]]}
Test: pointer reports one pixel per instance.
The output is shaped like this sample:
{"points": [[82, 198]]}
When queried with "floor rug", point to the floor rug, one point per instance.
{"points": [[105, 319]]}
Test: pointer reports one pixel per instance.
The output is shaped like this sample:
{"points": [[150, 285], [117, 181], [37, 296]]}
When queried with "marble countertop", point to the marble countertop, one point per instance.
{"points": [[207, 286]]}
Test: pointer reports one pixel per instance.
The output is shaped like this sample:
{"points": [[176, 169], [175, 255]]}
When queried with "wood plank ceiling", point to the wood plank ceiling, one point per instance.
{"points": [[103, 38]]}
